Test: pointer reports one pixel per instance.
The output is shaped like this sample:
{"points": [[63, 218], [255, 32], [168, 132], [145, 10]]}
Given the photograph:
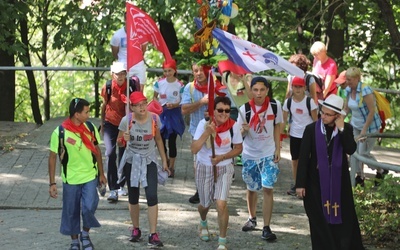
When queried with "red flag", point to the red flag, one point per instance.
{"points": [[141, 28], [227, 65], [211, 93]]}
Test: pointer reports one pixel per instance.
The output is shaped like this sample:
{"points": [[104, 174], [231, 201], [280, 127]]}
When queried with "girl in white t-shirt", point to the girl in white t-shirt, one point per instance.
{"points": [[168, 91], [303, 111], [214, 172]]}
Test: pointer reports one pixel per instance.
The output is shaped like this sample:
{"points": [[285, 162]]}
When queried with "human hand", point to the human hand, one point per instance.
{"points": [[103, 179], [339, 122], [301, 192], [204, 100], [53, 191], [127, 136]]}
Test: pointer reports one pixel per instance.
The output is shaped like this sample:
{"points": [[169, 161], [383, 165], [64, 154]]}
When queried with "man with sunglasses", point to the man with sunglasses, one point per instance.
{"points": [[323, 179], [81, 172], [261, 152]]}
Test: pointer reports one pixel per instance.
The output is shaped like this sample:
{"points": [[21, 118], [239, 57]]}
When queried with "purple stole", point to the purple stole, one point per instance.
{"points": [[329, 175]]}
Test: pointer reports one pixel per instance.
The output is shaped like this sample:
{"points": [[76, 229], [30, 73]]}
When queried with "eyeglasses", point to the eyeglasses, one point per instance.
{"points": [[141, 105], [222, 110], [328, 115]]}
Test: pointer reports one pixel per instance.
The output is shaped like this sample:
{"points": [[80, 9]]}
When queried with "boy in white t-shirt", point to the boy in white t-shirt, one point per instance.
{"points": [[261, 152], [303, 111]]}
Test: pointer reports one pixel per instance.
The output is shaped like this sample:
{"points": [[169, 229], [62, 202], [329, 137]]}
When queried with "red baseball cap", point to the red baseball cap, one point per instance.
{"points": [[134, 98], [155, 107], [298, 81], [341, 78]]}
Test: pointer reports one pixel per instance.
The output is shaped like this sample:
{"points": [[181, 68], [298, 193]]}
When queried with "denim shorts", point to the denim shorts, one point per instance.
{"points": [[260, 173], [79, 199]]}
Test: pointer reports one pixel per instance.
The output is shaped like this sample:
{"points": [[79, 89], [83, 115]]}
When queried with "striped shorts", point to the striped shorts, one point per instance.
{"points": [[210, 191]]}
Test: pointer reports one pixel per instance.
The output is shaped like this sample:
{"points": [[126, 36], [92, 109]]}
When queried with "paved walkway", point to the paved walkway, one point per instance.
{"points": [[29, 219]]}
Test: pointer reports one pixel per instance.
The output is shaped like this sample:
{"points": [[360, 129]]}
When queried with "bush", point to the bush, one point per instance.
{"points": [[378, 210]]}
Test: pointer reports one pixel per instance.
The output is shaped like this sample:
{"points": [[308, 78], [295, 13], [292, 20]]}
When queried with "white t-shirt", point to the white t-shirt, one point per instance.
{"points": [[168, 92], [300, 116], [204, 155], [260, 145], [119, 40]]}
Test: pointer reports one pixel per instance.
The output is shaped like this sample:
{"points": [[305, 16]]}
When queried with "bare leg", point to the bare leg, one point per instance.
{"points": [[152, 213], [251, 203], [134, 212], [268, 204], [223, 217]]}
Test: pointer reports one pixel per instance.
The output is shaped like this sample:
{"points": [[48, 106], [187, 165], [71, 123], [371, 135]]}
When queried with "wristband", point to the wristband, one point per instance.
{"points": [[51, 184]]}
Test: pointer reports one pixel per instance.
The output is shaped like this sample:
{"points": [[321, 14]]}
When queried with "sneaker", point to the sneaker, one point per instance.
{"points": [[75, 246], [87, 240], [113, 197], [135, 236], [292, 191], [249, 225], [359, 181], [122, 192], [267, 234], [195, 198], [155, 241]]}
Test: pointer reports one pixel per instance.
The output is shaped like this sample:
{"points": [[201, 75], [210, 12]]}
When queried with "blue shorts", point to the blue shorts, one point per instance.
{"points": [[260, 173]]}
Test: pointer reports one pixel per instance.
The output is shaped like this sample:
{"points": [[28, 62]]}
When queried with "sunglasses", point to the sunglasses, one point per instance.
{"points": [[222, 110]]}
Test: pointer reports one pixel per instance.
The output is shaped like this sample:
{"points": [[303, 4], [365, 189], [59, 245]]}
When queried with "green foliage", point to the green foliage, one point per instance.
{"points": [[378, 210]]}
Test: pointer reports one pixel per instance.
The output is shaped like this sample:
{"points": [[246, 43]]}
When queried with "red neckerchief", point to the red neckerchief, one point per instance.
{"points": [[202, 88], [255, 120], [222, 128], [121, 90], [84, 133]]}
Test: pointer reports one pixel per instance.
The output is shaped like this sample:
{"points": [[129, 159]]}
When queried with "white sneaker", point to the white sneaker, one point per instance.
{"points": [[122, 192]]}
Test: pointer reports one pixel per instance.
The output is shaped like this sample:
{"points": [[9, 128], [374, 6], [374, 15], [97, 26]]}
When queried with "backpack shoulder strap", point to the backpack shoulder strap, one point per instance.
{"points": [[274, 107], [91, 129], [108, 89], [247, 111], [191, 91], [154, 124], [308, 103], [289, 104]]}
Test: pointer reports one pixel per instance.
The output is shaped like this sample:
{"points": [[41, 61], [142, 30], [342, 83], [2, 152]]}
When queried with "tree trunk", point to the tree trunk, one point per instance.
{"points": [[7, 82], [335, 37], [388, 17], [31, 78]]}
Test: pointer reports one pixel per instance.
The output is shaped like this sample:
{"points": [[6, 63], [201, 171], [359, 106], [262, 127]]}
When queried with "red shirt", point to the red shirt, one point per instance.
{"points": [[115, 108]]}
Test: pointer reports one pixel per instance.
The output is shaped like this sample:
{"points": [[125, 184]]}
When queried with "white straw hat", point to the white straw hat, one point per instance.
{"points": [[117, 67], [333, 102]]}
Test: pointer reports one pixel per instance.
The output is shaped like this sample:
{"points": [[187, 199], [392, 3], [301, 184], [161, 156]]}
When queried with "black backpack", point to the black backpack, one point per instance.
{"points": [[62, 151], [248, 109], [134, 85]]}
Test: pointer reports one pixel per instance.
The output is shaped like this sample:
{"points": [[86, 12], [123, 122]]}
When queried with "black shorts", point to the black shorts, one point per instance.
{"points": [[295, 144]]}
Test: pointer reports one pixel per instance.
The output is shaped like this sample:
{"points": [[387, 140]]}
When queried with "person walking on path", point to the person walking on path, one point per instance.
{"points": [[323, 179], [361, 103], [227, 144], [261, 152], [81, 172], [112, 111], [302, 111], [168, 90], [194, 102], [139, 131], [324, 67]]}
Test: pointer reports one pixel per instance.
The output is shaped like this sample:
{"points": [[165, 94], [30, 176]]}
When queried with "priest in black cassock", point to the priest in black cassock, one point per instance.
{"points": [[323, 179]]}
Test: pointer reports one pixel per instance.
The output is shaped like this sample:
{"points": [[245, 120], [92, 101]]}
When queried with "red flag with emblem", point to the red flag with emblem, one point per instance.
{"points": [[140, 29]]}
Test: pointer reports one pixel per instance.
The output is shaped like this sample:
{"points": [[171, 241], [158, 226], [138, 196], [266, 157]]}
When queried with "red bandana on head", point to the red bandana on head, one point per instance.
{"points": [[255, 120], [222, 128], [84, 133]]}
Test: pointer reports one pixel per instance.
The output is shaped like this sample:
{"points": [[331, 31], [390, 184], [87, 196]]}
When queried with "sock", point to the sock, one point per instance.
{"points": [[203, 223], [76, 241], [222, 241], [85, 241], [254, 219]]}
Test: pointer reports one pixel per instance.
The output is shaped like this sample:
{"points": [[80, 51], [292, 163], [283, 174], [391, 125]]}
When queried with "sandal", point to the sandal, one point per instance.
{"points": [[86, 238], [172, 175], [75, 246]]}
